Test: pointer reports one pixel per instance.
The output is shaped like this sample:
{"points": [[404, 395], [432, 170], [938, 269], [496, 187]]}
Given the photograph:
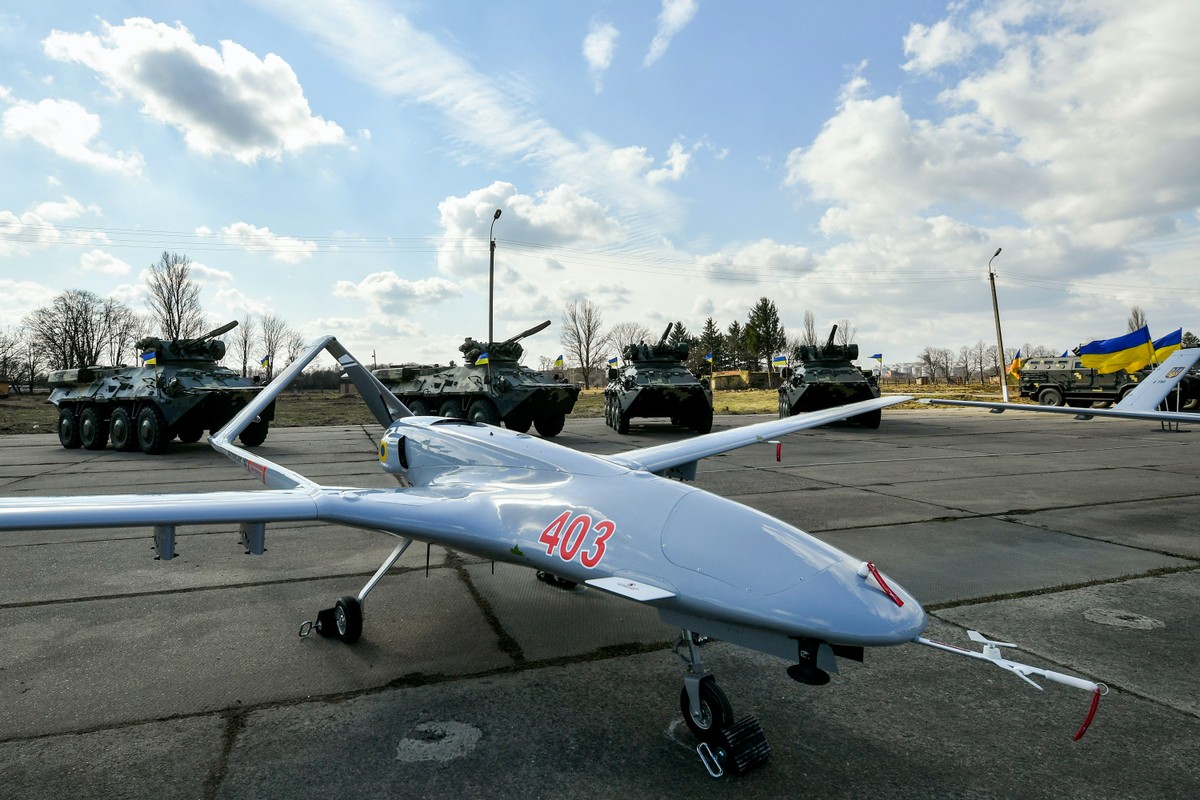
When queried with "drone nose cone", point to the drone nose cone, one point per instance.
{"points": [[858, 610]]}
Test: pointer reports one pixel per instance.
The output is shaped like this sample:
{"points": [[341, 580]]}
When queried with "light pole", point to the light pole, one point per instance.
{"points": [[491, 281], [999, 339]]}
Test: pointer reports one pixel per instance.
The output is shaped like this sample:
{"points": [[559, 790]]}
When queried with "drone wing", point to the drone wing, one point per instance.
{"points": [[1142, 403], [678, 459]]}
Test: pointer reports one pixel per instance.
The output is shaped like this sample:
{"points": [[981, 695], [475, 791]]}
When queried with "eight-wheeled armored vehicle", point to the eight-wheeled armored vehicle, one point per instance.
{"points": [[827, 379], [491, 387], [178, 390], [654, 381]]}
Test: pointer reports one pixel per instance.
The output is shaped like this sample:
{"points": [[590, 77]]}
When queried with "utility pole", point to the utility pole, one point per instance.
{"points": [[491, 283], [999, 339]]}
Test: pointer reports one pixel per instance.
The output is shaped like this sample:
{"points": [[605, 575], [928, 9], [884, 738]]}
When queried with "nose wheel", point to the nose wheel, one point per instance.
{"points": [[345, 620]]}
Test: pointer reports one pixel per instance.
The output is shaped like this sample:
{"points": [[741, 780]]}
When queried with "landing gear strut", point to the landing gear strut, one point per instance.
{"points": [[725, 745], [345, 619]]}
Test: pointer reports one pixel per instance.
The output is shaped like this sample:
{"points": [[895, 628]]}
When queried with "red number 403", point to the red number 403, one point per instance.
{"points": [[567, 535]]}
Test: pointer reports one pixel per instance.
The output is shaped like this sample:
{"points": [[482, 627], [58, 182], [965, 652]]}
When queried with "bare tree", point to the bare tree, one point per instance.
{"points": [[964, 363], [295, 345], [1137, 318], [243, 341], [581, 336], [809, 337], [979, 358], [174, 299], [72, 331], [274, 339], [845, 333], [624, 333], [125, 327], [10, 356]]}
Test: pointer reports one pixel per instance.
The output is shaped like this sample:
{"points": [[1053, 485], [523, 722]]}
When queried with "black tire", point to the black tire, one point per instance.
{"points": [[255, 433], [1079, 403], [452, 409], [1050, 396], [123, 431], [871, 419], [152, 432], [68, 429], [348, 618], [550, 424], [715, 711], [518, 423], [418, 408], [622, 423], [785, 408], [484, 410], [93, 429], [190, 433], [702, 422], [1125, 390]]}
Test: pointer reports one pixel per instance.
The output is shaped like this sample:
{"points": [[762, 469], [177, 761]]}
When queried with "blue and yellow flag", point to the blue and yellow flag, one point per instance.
{"points": [[481, 360], [150, 359], [779, 361], [878, 357], [1129, 352], [266, 362], [558, 363], [1168, 344], [612, 362], [1015, 367], [708, 358]]}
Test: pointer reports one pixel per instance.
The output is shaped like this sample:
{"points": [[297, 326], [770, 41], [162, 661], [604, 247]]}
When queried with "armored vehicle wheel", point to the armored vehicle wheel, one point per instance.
{"points": [[1050, 396], [452, 409], [93, 429], [152, 432], [122, 431], [68, 429], [676, 421], [785, 408], [622, 423], [419, 408], [484, 410], [550, 424], [190, 433], [1079, 403], [716, 713], [518, 423], [871, 419], [347, 615], [702, 422], [255, 433]]}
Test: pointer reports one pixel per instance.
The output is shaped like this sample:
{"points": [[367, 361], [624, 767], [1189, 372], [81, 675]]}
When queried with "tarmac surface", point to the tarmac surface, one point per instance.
{"points": [[123, 676]]}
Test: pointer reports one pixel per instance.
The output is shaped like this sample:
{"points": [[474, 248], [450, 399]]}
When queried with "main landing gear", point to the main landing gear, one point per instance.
{"points": [[345, 619], [725, 745]]}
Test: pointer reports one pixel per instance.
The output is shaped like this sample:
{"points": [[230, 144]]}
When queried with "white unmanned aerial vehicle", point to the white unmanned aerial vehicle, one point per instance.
{"points": [[710, 566]]}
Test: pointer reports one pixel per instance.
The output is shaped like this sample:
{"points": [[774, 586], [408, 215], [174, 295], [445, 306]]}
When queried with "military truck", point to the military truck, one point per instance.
{"points": [[498, 389], [826, 379], [1065, 381], [179, 391], [654, 381]]}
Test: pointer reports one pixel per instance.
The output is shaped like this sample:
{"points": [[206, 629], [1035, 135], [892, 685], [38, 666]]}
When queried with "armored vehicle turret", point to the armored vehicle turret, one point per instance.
{"points": [[491, 387], [825, 379], [654, 381], [178, 391]]}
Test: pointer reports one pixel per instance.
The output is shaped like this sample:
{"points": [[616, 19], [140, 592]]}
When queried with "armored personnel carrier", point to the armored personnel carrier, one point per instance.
{"points": [[1065, 380], [179, 390], [490, 387], [828, 379], [655, 382]]}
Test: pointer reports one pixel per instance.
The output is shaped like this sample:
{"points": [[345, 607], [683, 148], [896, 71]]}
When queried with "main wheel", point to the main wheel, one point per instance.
{"points": [[152, 432], [418, 408], [715, 711], [93, 429], [871, 419], [702, 422], [347, 615], [622, 423], [483, 410], [68, 429], [550, 424], [1050, 396], [452, 409], [517, 423], [785, 408], [255, 433], [190, 433], [122, 431]]}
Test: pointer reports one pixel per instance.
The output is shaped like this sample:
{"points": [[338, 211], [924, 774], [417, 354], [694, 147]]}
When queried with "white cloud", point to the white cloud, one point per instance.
{"points": [[282, 248], [229, 102], [675, 16], [387, 293], [35, 228], [103, 262], [66, 128], [18, 298], [598, 48], [675, 165], [936, 45]]}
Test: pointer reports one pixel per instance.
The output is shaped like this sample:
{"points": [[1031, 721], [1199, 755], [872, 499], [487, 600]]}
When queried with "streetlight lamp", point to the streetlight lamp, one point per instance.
{"points": [[999, 339], [491, 282]]}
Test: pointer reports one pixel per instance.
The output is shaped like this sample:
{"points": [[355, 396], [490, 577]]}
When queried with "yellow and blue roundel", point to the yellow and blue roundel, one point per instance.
{"points": [[383, 451]]}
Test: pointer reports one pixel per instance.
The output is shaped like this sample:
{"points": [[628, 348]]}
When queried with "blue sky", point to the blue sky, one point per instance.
{"points": [[338, 164]]}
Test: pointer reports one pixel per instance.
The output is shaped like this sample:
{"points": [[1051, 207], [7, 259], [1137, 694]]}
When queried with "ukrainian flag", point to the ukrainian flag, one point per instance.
{"points": [[1168, 344], [481, 360], [1015, 367], [878, 357], [612, 362], [779, 361], [266, 362], [558, 363], [708, 358], [150, 359], [1129, 352]]}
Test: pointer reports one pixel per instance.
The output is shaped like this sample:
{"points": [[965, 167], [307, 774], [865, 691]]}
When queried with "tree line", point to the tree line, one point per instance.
{"points": [[79, 328]]}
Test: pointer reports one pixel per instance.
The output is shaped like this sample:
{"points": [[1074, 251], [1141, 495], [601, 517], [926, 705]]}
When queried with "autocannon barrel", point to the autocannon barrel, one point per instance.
{"points": [[666, 333], [829, 343], [540, 326]]}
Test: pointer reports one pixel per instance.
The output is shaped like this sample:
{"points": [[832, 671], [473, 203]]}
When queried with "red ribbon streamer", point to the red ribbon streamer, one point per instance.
{"points": [[1090, 715]]}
